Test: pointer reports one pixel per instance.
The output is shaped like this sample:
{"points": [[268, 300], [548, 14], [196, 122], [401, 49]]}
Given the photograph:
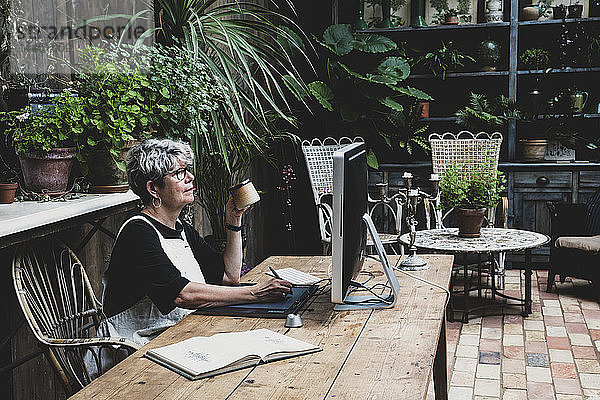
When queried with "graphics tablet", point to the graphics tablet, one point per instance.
{"points": [[293, 302]]}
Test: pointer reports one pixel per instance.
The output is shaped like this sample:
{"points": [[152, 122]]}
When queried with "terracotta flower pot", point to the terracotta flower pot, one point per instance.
{"points": [[424, 107], [104, 175], [469, 221], [7, 192], [451, 20], [49, 173]]}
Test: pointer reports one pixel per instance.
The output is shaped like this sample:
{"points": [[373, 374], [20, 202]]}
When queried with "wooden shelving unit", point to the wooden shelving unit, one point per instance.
{"points": [[529, 185]]}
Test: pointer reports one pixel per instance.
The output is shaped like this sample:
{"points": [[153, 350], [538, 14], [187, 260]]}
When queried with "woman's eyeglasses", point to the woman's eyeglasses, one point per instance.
{"points": [[181, 173]]}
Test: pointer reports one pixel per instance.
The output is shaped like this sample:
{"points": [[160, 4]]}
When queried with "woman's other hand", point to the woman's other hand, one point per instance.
{"points": [[271, 290]]}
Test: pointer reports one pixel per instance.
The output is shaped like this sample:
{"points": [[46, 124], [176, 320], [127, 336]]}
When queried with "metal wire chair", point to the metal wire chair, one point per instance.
{"points": [[467, 149], [319, 162], [61, 309]]}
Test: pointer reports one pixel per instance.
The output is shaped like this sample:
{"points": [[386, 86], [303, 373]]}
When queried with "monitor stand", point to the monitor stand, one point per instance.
{"points": [[369, 301]]}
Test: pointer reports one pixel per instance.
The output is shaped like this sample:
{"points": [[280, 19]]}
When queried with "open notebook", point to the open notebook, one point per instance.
{"points": [[201, 357]]}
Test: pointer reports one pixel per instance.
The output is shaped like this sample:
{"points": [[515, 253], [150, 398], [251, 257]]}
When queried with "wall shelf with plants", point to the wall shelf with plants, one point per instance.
{"points": [[565, 70], [495, 25], [559, 21], [475, 74], [563, 81]]}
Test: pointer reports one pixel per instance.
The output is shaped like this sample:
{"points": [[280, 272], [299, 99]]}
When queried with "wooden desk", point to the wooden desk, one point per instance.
{"points": [[367, 354]]}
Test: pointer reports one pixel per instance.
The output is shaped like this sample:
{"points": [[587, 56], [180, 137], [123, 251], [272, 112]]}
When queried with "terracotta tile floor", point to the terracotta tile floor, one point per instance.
{"points": [[554, 353]]}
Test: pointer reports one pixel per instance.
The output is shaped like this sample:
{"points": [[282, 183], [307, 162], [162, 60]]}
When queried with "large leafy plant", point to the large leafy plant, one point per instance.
{"points": [[112, 91], [253, 58], [366, 88], [471, 187]]}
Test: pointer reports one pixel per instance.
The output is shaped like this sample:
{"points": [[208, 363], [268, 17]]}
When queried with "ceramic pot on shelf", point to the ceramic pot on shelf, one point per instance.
{"points": [[577, 100], [450, 19], [575, 10], [559, 12], [532, 12], [535, 101], [493, 11], [48, 173], [424, 109]]}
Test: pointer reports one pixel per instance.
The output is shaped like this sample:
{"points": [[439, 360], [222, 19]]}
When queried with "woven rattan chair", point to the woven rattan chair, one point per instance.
{"points": [[60, 307], [318, 155]]}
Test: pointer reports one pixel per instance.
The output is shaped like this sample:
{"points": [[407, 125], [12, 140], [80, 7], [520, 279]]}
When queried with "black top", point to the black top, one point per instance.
{"points": [[139, 266]]}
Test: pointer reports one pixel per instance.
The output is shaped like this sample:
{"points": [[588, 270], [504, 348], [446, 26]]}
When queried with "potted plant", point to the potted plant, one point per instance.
{"points": [[444, 59], [256, 61], [451, 16], [470, 192], [114, 113], [8, 182], [45, 142]]}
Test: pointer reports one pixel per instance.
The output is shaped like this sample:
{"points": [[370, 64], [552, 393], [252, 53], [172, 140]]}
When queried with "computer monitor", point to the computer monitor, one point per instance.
{"points": [[351, 222]]}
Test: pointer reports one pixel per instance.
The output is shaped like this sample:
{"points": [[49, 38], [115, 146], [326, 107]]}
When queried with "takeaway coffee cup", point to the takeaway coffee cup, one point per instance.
{"points": [[244, 194]]}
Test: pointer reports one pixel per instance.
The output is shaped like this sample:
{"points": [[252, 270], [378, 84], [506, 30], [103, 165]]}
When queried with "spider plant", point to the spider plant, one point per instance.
{"points": [[254, 58]]}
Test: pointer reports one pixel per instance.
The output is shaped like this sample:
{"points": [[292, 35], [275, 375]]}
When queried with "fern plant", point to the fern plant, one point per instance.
{"points": [[366, 89], [482, 115]]}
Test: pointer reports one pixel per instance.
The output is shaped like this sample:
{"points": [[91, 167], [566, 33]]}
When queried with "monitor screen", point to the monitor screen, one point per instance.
{"points": [[349, 235]]}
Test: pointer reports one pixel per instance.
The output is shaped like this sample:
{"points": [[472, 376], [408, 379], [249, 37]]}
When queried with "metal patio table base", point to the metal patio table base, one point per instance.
{"points": [[492, 241]]}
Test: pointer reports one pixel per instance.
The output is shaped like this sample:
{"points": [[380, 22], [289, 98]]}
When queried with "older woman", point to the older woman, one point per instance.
{"points": [[160, 268]]}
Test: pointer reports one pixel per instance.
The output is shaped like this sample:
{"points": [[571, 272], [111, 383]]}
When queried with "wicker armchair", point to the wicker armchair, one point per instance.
{"points": [[575, 245], [318, 155], [60, 307]]}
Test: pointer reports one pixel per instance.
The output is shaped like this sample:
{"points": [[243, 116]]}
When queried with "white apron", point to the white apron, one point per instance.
{"points": [[143, 321]]}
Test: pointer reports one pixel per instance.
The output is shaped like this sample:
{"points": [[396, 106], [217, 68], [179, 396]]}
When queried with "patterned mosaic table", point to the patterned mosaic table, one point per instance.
{"points": [[491, 241]]}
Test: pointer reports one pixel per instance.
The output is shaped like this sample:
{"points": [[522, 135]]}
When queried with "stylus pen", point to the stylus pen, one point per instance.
{"points": [[276, 275]]}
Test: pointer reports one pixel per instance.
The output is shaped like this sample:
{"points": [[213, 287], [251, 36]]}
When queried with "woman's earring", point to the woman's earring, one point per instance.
{"points": [[154, 202]]}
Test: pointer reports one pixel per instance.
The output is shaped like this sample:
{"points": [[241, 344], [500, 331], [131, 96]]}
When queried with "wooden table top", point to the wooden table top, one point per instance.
{"points": [[367, 354]]}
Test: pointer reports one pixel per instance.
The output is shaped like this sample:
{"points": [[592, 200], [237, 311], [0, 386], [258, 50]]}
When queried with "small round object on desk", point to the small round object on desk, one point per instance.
{"points": [[293, 321]]}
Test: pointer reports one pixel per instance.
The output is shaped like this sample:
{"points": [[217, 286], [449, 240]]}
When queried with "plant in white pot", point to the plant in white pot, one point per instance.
{"points": [[45, 142], [470, 192]]}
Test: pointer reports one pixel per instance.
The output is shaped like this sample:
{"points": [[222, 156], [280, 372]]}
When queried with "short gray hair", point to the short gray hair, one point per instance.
{"points": [[151, 160]]}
